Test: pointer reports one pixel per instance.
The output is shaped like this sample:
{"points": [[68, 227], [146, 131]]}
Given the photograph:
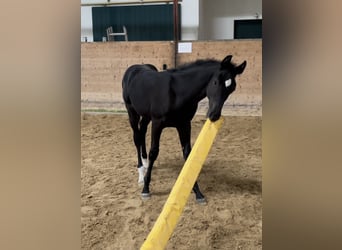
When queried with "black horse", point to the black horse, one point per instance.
{"points": [[170, 99]]}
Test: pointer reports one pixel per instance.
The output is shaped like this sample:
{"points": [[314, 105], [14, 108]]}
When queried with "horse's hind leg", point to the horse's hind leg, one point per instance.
{"points": [[152, 156], [184, 133], [134, 122], [143, 129]]}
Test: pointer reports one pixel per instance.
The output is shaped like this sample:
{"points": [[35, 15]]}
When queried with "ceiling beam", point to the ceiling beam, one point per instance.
{"points": [[127, 2]]}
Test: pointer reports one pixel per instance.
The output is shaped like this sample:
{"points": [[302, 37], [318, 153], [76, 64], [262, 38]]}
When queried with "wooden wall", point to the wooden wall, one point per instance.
{"points": [[104, 63]]}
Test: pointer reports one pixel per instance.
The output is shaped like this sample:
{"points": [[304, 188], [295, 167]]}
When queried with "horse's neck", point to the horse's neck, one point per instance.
{"points": [[200, 80], [202, 85], [195, 84]]}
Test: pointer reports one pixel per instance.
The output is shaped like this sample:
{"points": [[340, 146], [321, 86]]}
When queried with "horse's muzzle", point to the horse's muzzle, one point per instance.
{"points": [[213, 116]]}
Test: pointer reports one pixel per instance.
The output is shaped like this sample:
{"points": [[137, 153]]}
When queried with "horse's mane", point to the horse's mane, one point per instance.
{"points": [[194, 64]]}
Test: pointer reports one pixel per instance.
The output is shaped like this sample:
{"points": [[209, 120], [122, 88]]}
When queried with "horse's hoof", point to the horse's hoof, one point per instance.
{"points": [[201, 201], [145, 196]]}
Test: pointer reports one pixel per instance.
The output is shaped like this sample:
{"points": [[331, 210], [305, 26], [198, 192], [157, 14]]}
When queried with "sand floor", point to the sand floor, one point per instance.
{"points": [[113, 216]]}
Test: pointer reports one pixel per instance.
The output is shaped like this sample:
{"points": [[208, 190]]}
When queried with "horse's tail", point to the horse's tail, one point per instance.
{"points": [[125, 81], [126, 76]]}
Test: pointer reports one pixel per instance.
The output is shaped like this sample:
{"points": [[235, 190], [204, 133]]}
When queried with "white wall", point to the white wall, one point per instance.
{"points": [[216, 17], [86, 24], [190, 19], [201, 19]]}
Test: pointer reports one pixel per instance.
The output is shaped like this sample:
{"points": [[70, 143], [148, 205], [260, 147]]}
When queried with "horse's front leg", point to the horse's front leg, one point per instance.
{"points": [[152, 156], [184, 133]]}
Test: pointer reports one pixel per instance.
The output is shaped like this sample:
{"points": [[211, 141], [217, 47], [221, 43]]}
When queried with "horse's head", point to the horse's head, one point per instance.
{"points": [[221, 85]]}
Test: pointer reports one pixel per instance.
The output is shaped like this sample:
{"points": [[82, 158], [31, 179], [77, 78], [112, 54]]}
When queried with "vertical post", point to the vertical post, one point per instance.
{"points": [[175, 30]]}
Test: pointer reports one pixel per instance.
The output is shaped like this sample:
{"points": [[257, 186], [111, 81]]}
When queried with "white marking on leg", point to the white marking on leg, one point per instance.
{"points": [[145, 163], [141, 172]]}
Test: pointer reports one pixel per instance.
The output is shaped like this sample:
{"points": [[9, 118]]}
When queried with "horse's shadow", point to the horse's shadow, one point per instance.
{"points": [[225, 182], [212, 182]]}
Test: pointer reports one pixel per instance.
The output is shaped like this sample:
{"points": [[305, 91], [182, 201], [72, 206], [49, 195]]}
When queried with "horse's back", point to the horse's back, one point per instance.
{"points": [[133, 70], [146, 90]]}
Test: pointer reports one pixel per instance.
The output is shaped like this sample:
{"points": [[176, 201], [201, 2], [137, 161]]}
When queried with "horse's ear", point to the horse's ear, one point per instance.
{"points": [[239, 69], [226, 61]]}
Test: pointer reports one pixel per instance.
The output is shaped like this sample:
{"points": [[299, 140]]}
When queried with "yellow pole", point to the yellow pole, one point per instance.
{"points": [[173, 208]]}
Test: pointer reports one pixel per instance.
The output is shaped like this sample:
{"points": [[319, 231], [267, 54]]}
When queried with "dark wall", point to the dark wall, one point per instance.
{"points": [[143, 22], [247, 29]]}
